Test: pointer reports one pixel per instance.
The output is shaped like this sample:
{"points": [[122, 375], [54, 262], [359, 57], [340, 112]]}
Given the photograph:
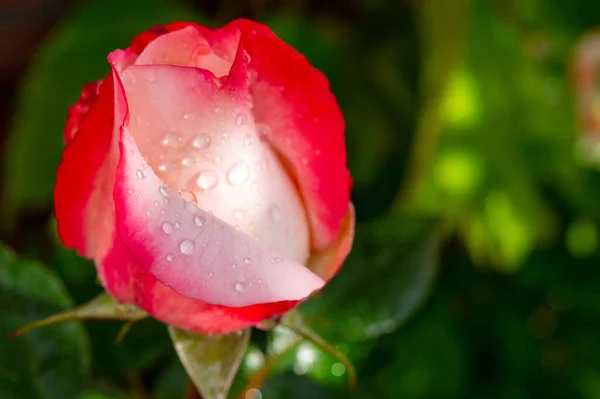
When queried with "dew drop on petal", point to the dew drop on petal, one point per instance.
{"points": [[188, 116], [238, 173], [170, 140], [170, 257], [240, 119], [187, 247], [163, 212], [188, 195], [188, 161], [238, 214], [156, 203], [177, 225], [163, 191], [199, 221], [247, 141], [211, 274], [201, 141], [247, 260], [240, 286], [167, 227], [140, 174], [207, 179], [259, 281], [218, 159]]}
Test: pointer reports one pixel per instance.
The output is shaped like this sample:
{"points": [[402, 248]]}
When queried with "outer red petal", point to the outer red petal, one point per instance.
{"points": [[79, 110], [80, 173], [293, 99]]}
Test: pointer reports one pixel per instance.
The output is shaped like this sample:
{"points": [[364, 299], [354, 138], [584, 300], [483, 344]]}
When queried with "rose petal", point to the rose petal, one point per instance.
{"points": [[202, 142], [326, 263], [204, 257], [293, 101], [185, 47], [79, 110], [81, 176]]}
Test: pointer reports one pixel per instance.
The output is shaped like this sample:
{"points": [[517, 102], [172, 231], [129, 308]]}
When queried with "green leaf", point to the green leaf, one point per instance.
{"points": [[211, 361], [50, 363], [73, 55], [386, 277], [103, 307]]}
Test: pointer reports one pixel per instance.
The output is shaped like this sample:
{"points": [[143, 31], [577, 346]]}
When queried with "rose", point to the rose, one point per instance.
{"points": [[206, 177]]}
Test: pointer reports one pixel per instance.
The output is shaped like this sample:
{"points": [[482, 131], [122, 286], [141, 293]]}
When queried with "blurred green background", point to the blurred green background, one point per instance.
{"points": [[475, 267]]}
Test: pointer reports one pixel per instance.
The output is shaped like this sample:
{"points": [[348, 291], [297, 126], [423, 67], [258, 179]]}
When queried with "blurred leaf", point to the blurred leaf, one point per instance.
{"points": [[73, 55], [171, 381], [102, 307], [50, 363], [144, 346], [211, 361], [386, 277]]}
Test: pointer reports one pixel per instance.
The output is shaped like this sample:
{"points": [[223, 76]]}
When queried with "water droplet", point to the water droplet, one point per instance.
{"points": [[164, 191], [240, 286], [170, 257], [189, 196], [188, 116], [218, 110], [170, 140], [225, 134], [259, 281], [130, 191], [163, 212], [247, 141], [147, 213], [238, 214], [218, 159], [233, 265], [188, 161], [273, 260], [240, 120], [177, 225], [211, 274], [187, 247], [167, 227], [163, 167], [274, 213], [140, 174], [199, 221], [238, 174], [201, 141], [167, 201], [247, 260], [207, 179], [156, 203]]}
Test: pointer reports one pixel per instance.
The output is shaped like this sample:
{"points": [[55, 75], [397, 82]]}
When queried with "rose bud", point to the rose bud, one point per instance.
{"points": [[206, 177]]}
